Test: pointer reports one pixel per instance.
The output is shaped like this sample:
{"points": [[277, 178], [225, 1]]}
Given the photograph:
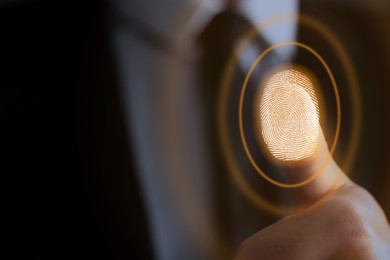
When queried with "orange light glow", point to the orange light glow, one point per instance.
{"points": [[289, 116]]}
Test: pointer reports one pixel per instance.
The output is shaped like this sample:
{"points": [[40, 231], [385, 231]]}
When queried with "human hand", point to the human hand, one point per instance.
{"points": [[336, 219]]}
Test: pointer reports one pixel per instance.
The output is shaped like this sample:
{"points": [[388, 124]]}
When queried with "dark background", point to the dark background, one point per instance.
{"points": [[59, 198]]}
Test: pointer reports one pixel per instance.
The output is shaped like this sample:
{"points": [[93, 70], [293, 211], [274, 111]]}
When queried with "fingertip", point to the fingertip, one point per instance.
{"points": [[322, 171]]}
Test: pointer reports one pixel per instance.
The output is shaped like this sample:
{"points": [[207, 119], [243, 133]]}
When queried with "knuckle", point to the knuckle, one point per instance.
{"points": [[347, 226], [245, 249]]}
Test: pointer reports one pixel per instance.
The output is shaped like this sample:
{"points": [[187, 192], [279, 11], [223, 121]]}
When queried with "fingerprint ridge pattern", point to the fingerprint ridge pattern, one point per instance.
{"points": [[289, 115]]}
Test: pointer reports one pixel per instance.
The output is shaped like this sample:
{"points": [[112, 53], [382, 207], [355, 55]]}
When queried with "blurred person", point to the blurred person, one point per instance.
{"points": [[110, 138], [192, 100]]}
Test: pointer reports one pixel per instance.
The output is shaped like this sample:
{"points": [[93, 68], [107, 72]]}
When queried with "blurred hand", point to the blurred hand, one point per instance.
{"points": [[337, 219]]}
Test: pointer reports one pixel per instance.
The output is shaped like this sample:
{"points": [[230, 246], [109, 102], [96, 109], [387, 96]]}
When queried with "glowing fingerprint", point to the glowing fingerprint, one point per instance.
{"points": [[289, 115]]}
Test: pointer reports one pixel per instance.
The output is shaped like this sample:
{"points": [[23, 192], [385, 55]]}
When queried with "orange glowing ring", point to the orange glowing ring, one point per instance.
{"points": [[234, 169], [243, 139]]}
